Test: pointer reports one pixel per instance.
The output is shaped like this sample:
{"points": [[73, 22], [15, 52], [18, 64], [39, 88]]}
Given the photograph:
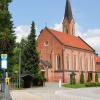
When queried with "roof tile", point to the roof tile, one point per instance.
{"points": [[70, 40], [97, 59]]}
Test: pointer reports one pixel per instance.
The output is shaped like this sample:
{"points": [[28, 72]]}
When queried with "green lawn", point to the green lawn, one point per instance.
{"points": [[74, 85], [90, 84]]}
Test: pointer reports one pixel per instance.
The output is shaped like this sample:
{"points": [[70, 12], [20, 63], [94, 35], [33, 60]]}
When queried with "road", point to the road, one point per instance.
{"points": [[52, 92]]}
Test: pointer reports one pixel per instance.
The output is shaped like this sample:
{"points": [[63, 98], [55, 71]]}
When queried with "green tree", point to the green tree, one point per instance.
{"points": [[89, 77], [96, 77], [82, 78], [30, 55], [16, 59], [23, 48], [72, 78], [7, 37]]}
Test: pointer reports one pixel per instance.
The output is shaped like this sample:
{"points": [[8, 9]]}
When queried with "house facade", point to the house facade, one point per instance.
{"points": [[62, 53]]}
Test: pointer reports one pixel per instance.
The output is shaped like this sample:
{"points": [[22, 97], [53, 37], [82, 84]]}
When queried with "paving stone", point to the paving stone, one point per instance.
{"points": [[52, 92]]}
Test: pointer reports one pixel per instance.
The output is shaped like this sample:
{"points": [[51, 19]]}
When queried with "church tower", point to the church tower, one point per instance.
{"points": [[68, 22]]}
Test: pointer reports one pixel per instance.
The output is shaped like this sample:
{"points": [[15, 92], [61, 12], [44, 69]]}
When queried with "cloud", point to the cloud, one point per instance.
{"points": [[91, 36], [58, 27], [22, 31]]}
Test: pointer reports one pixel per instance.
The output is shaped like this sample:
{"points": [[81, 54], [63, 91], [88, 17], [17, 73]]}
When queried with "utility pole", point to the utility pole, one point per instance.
{"points": [[19, 68]]}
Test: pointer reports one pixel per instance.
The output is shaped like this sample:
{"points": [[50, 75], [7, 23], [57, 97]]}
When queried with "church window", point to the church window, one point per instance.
{"points": [[58, 65], [86, 63], [81, 63], [91, 63], [67, 61], [46, 43], [75, 63]]}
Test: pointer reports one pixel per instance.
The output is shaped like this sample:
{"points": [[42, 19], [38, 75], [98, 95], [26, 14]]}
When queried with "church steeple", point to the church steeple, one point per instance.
{"points": [[68, 22]]}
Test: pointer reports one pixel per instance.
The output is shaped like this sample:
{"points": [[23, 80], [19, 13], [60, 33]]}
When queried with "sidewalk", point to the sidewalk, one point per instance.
{"points": [[2, 97], [21, 95]]}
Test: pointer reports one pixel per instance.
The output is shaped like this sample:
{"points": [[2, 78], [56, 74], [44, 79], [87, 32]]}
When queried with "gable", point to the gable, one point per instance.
{"points": [[53, 41]]}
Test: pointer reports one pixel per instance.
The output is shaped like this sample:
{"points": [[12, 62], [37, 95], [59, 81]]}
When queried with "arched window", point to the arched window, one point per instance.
{"points": [[67, 62], [75, 63], [81, 64], [86, 63], [58, 65]]}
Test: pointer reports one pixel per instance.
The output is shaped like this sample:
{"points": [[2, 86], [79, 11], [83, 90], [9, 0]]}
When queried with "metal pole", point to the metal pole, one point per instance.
{"points": [[19, 67]]}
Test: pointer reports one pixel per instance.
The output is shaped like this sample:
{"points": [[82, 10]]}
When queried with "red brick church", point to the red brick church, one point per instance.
{"points": [[61, 53]]}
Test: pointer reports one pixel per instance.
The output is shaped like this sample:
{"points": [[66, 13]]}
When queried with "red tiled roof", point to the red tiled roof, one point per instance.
{"points": [[70, 40], [98, 59]]}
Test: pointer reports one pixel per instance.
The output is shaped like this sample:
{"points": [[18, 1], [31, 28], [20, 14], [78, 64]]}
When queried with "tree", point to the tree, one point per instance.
{"points": [[72, 78], [96, 77], [16, 60], [89, 77], [82, 78], [22, 46], [30, 55], [7, 38]]}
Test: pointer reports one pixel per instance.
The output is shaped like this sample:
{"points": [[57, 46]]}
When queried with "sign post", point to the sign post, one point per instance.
{"points": [[4, 67]]}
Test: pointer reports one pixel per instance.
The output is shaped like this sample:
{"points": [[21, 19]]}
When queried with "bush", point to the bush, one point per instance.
{"points": [[90, 84], [98, 84], [82, 78], [72, 78], [39, 79], [96, 77], [89, 78]]}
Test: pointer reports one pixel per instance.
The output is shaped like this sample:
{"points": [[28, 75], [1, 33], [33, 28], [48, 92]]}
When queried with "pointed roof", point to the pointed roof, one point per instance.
{"points": [[68, 11], [70, 40]]}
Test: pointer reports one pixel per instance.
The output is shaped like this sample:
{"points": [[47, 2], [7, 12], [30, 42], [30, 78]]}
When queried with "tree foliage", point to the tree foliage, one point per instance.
{"points": [[30, 55], [96, 77], [7, 38], [72, 78], [89, 77], [82, 78]]}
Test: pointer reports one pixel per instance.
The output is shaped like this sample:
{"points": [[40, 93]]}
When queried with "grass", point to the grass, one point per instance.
{"points": [[89, 84], [74, 85]]}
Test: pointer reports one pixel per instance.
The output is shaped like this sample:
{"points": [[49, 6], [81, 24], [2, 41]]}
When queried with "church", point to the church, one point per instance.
{"points": [[62, 53]]}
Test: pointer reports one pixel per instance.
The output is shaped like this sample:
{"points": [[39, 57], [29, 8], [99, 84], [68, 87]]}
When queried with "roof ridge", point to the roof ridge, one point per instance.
{"points": [[86, 43]]}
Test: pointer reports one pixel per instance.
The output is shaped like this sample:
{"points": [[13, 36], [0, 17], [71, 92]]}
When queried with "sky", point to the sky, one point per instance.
{"points": [[50, 13]]}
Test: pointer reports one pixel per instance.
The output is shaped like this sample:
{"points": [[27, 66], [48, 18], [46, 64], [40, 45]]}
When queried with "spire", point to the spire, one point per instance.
{"points": [[68, 11], [68, 22]]}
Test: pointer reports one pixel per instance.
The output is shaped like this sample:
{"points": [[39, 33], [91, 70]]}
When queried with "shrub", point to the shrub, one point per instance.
{"points": [[98, 84], [96, 77], [82, 78], [90, 84], [89, 78], [72, 78], [39, 79]]}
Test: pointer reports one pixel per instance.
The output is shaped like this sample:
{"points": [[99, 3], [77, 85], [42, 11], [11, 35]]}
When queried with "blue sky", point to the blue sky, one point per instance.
{"points": [[85, 12], [50, 12]]}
